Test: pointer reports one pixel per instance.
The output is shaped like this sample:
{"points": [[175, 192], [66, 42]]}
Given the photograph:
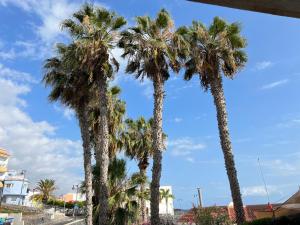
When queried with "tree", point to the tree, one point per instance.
{"points": [[211, 216], [123, 192], [214, 51], [69, 85], [45, 188], [95, 32], [116, 115], [165, 194], [138, 145], [151, 49]]}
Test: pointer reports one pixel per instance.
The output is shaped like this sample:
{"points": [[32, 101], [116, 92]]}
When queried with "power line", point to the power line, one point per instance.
{"points": [[263, 178]]}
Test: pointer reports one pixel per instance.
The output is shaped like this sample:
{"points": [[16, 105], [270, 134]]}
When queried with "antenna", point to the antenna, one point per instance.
{"points": [[200, 197], [263, 178]]}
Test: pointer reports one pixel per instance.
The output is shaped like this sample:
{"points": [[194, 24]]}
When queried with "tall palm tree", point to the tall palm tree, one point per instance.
{"points": [[215, 51], [70, 86], [95, 32], [165, 194], [151, 49], [138, 145], [45, 188]]}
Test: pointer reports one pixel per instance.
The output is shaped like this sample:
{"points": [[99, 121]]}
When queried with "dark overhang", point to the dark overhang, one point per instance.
{"points": [[290, 8]]}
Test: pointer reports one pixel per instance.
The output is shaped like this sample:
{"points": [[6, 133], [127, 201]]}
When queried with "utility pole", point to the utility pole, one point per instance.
{"points": [[200, 197], [21, 198]]}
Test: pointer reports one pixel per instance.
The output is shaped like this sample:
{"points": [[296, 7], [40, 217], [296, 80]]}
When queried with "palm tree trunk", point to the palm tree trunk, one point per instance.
{"points": [[157, 148], [219, 100], [143, 203], [86, 144], [102, 154]]}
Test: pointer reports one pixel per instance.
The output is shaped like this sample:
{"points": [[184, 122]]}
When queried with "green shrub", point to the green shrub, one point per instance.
{"points": [[292, 220], [61, 204], [265, 221], [211, 216]]}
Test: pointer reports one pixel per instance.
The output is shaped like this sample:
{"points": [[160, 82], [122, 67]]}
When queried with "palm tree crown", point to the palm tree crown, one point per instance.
{"points": [[46, 188], [214, 49], [94, 31], [138, 141], [69, 83], [151, 47]]}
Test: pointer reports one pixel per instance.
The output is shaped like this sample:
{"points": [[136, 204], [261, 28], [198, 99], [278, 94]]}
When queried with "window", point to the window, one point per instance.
{"points": [[13, 199], [9, 185]]}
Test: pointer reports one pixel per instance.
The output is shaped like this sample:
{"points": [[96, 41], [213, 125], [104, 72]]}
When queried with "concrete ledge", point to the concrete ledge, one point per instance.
{"points": [[290, 8], [76, 222]]}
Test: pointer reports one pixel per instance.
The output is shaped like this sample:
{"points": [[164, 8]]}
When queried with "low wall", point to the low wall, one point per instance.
{"points": [[24, 209]]}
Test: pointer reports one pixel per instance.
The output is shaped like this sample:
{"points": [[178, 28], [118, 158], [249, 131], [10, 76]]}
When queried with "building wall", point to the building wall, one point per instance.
{"points": [[3, 166], [71, 197], [164, 209], [15, 187], [14, 191], [13, 199]]}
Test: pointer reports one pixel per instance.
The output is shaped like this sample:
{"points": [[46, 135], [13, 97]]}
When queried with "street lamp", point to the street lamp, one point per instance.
{"points": [[22, 187], [75, 187]]}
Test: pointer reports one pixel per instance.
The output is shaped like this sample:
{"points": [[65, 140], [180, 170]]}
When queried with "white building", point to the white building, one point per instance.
{"points": [[15, 188], [13, 185], [4, 155], [166, 206]]}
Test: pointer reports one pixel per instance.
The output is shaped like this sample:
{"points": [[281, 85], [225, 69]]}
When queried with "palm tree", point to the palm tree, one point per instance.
{"points": [[45, 188], [70, 86], [214, 51], [123, 192], [165, 194], [95, 32], [138, 145], [116, 115], [151, 49]]}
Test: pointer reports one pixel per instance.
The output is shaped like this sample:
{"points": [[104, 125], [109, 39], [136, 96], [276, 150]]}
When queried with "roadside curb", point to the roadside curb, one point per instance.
{"points": [[74, 222]]}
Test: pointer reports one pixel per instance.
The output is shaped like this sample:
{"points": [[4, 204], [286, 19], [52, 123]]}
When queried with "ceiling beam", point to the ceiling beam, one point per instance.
{"points": [[290, 8]]}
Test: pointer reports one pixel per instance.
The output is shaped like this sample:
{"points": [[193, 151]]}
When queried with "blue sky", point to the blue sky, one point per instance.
{"points": [[262, 102]]}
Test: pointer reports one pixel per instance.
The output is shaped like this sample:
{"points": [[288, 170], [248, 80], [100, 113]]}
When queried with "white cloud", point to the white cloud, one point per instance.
{"points": [[177, 120], [263, 65], [274, 84], [11, 74], [147, 87], [47, 31], [66, 112], [7, 54], [190, 159], [184, 147], [259, 191], [51, 13], [242, 140], [289, 123], [283, 167], [33, 144]]}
